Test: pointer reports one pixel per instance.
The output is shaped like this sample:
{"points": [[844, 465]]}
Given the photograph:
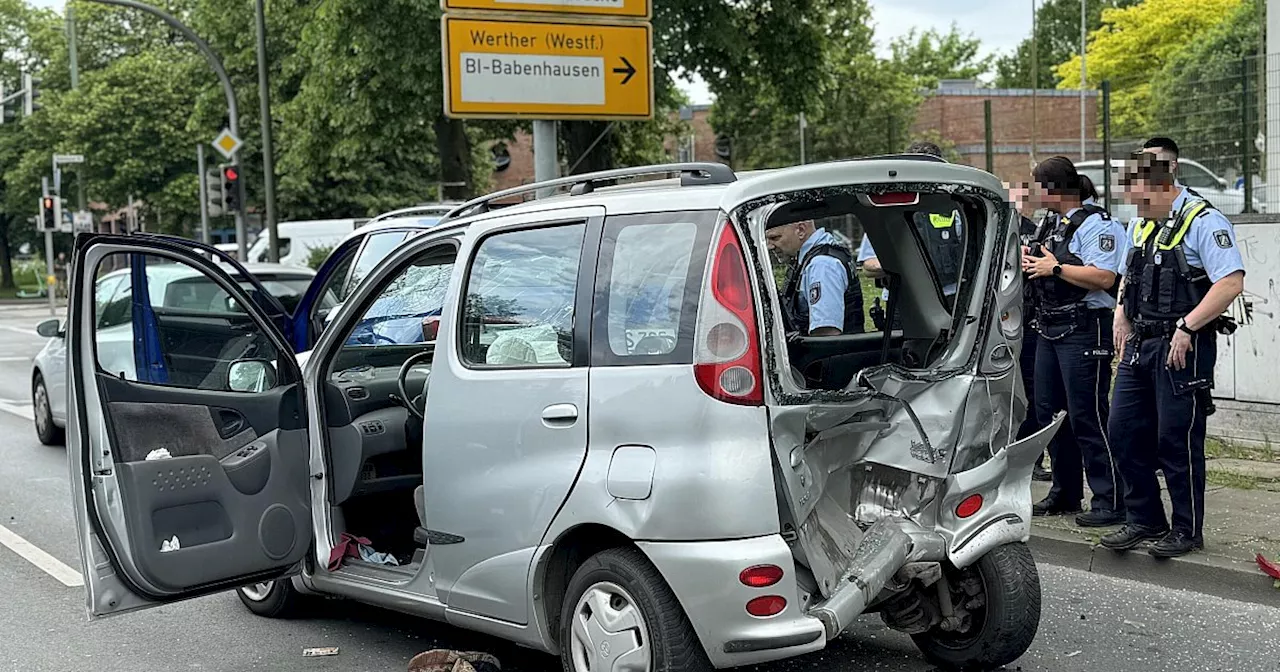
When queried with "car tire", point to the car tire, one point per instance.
{"points": [[625, 582], [1004, 627], [49, 433], [272, 599]]}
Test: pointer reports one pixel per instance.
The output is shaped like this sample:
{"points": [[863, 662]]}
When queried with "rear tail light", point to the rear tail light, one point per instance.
{"points": [[726, 360], [971, 505], [769, 605], [760, 576]]}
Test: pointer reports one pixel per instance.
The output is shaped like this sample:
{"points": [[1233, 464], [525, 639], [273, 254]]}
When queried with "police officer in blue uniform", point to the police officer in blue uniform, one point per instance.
{"points": [[1183, 270], [822, 296], [1072, 266]]}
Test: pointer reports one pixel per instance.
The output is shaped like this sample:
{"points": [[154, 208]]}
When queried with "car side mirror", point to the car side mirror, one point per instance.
{"points": [[251, 375], [49, 328]]}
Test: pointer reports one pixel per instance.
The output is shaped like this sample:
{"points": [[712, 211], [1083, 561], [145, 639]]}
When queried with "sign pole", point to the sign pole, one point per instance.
{"points": [[546, 160], [204, 195], [48, 256]]}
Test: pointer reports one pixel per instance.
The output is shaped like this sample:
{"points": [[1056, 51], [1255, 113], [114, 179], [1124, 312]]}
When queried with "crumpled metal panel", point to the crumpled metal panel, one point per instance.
{"points": [[883, 448]]}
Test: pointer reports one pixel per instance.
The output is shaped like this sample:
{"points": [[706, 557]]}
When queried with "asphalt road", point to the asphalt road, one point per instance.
{"points": [[1090, 623]]}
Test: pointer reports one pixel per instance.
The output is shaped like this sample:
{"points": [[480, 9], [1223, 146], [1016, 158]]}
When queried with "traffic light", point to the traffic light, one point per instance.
{"points": [[216, 199], [724, 147], [31, 91], [50, 213], [231, 187]]}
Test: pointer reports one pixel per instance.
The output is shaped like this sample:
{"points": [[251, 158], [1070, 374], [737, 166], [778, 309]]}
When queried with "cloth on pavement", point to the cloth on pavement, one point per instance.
{"points": [[443, 660]]}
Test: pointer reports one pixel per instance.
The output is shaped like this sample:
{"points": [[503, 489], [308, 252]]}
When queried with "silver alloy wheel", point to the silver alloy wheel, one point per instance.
{"points": [[258, 591], [42, 407], [609, 633]]}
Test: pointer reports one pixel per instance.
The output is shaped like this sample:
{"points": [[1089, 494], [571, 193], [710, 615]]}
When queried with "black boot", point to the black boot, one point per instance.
{"points": [[1052, 507], [1130, 536], [1176, 544], [1040, 473], [1099, 518]]}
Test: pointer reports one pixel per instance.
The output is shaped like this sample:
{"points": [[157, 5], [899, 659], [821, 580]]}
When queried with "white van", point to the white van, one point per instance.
{"points": [[297, 239]]}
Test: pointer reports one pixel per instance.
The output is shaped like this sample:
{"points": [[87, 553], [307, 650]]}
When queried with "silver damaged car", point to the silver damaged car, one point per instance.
{"points": [[578, 423]]}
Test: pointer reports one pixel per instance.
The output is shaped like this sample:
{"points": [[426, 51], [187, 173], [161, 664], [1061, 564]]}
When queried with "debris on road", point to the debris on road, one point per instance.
{"points": [[443, 660], [1269, 568], [320, 651]]}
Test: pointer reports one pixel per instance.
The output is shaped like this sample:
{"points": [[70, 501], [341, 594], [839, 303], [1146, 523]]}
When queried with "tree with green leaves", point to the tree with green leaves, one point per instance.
{"points": [[930, 56], [1200, 96], [1131, 48], [1057, 40]]}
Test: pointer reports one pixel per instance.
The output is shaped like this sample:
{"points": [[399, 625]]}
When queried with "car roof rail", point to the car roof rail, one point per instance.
{"points": [[902, 157], [691, 175], [394, 214]]}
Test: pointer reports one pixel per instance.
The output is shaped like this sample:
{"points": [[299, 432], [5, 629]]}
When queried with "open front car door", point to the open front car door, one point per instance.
{"points": [[187, 446]]}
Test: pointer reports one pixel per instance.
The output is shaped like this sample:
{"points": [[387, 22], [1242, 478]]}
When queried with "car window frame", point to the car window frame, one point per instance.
{"points": [[584, 289], [127, 284], [347, 288], [602, 353], [1188, 169]]}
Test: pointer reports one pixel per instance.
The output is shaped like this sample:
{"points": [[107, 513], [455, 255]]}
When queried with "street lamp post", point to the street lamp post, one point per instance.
{"points": [[1084, 27], [268, 160], [233, 113]]}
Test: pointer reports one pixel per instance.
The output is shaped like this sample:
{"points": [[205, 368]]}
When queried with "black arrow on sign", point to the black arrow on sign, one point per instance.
{"points": [[629, 71]]}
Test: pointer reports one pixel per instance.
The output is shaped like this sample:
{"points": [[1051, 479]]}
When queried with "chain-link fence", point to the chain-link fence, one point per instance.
{"points": [[1215, 112]]}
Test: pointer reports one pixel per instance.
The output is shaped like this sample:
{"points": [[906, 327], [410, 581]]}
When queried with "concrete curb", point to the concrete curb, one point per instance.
{"points": [[1199, 572]]}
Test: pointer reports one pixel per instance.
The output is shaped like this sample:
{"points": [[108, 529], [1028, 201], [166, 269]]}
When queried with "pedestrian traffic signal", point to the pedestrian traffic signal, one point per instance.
{"points": [[50, 213], [231, 187], [214, 196]]}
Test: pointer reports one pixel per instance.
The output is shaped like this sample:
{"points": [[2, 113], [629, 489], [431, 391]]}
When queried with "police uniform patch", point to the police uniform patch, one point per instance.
{"points": [[1107, 242], [815, 292], [1223, 238]]}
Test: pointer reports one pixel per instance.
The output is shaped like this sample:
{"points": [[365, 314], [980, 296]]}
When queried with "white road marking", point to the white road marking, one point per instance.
{"points": [[20, 410], [47, 563], [16, 359]]}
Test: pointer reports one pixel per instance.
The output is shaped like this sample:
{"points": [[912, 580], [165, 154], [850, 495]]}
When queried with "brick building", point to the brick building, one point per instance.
{"points": [[1049, 119]]}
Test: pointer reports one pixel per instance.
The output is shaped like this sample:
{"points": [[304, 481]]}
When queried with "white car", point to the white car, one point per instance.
{"points": [[170, 286], [1224, 197]]}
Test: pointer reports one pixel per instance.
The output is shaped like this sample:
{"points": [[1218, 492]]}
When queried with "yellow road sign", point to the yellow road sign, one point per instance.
{"points": [[544, 69], [227, 143], [636, 9]]}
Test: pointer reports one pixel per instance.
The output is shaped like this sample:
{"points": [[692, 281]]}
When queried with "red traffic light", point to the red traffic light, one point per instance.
{"points": [[230, 173], [48, 203]]}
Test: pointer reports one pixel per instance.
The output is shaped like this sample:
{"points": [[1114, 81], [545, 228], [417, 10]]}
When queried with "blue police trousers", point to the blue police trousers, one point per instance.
{"points": [[1158, 422], [1073, 373]]}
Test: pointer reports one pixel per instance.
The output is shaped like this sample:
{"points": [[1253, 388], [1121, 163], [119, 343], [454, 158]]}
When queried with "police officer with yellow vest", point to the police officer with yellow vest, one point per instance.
{"points": [[1072, 267], [1182, 271]]}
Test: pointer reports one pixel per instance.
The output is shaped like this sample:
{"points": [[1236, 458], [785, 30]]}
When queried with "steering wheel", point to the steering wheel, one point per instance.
{"points": [[414, 360]]}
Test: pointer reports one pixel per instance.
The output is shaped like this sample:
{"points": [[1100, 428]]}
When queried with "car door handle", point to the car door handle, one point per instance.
{"points": [[560, 415]]}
